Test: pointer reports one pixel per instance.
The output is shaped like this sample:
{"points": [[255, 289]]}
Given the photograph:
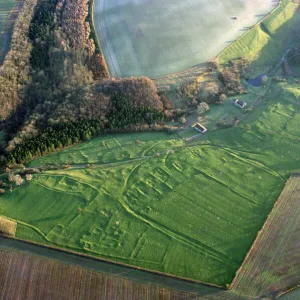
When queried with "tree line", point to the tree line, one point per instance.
{"points": [[58, 100]]}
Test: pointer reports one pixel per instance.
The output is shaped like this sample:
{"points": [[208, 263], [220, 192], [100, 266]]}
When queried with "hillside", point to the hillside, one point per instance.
{"points": [[175, 202]]}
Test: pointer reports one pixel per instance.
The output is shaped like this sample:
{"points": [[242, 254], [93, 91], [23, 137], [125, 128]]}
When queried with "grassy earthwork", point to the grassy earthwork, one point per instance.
{"points": [[191, 211], [154, 200]]}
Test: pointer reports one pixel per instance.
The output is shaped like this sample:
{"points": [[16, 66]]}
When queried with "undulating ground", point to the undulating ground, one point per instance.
{"points": [[159, 37], [188, 208], [267, 42], [191, 211], [273, 262]]}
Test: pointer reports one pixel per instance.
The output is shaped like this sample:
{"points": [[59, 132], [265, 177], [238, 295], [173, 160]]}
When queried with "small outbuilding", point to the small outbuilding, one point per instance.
{"points": [[240, 104], [200, 128]]}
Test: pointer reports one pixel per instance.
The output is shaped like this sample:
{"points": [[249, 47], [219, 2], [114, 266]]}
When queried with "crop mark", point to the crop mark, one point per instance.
{"points": [[254, 163], [180, 237], [226, 186]]}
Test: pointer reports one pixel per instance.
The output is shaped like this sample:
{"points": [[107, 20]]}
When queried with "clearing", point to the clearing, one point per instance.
{"points": [[155, 38]]}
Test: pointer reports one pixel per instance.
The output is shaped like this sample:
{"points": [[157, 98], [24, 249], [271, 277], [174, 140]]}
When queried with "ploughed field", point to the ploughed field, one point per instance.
{"points": [[159, 37], [273, 262], [69, 276]]}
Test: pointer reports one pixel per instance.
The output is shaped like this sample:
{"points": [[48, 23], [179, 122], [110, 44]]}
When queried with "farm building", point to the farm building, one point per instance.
{"points": [[200, 128], [240, 104]]}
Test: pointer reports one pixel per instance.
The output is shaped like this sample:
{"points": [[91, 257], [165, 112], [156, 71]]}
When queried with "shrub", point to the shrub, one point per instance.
{"points": [[202, 108], [7, 227], [183, 120]]}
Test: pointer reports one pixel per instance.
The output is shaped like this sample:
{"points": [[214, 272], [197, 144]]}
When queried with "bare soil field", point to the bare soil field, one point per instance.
{"points": [[24, 275], [273, 263]]}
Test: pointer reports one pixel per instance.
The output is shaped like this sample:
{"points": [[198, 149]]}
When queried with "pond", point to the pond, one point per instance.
{"points": [[257, 81], [159, 37]]}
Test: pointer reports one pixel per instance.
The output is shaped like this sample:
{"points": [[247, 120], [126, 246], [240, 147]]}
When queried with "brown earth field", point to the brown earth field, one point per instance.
{"points": [[39, 273], [273, 263]]}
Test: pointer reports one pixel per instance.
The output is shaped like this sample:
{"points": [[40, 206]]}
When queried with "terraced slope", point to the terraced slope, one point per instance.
{"points": [[264, 44]]}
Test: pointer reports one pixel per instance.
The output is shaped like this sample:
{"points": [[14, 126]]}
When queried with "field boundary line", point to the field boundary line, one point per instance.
{"points": [[244, 34], [28, 225], [287, 291], [99, 258], [240, 270]]}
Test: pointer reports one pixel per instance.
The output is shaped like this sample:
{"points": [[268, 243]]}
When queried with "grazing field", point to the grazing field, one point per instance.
{"points": [[273, 262], [190, 208], [190, 211], [156, 38], [68, 276], [113, 148], [129, 212], [264, 44]]}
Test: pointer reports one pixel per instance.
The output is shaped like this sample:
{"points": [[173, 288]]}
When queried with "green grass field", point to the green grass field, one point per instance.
{"points": [[155, 38], [193, 213], [152, 200], [265, 43]]}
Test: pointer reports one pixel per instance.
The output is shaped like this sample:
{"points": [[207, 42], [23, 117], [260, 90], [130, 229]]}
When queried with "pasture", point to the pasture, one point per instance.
{"points": [[273, 262], [190, 211], [153, 200], [156, 38], [264, 44]]}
